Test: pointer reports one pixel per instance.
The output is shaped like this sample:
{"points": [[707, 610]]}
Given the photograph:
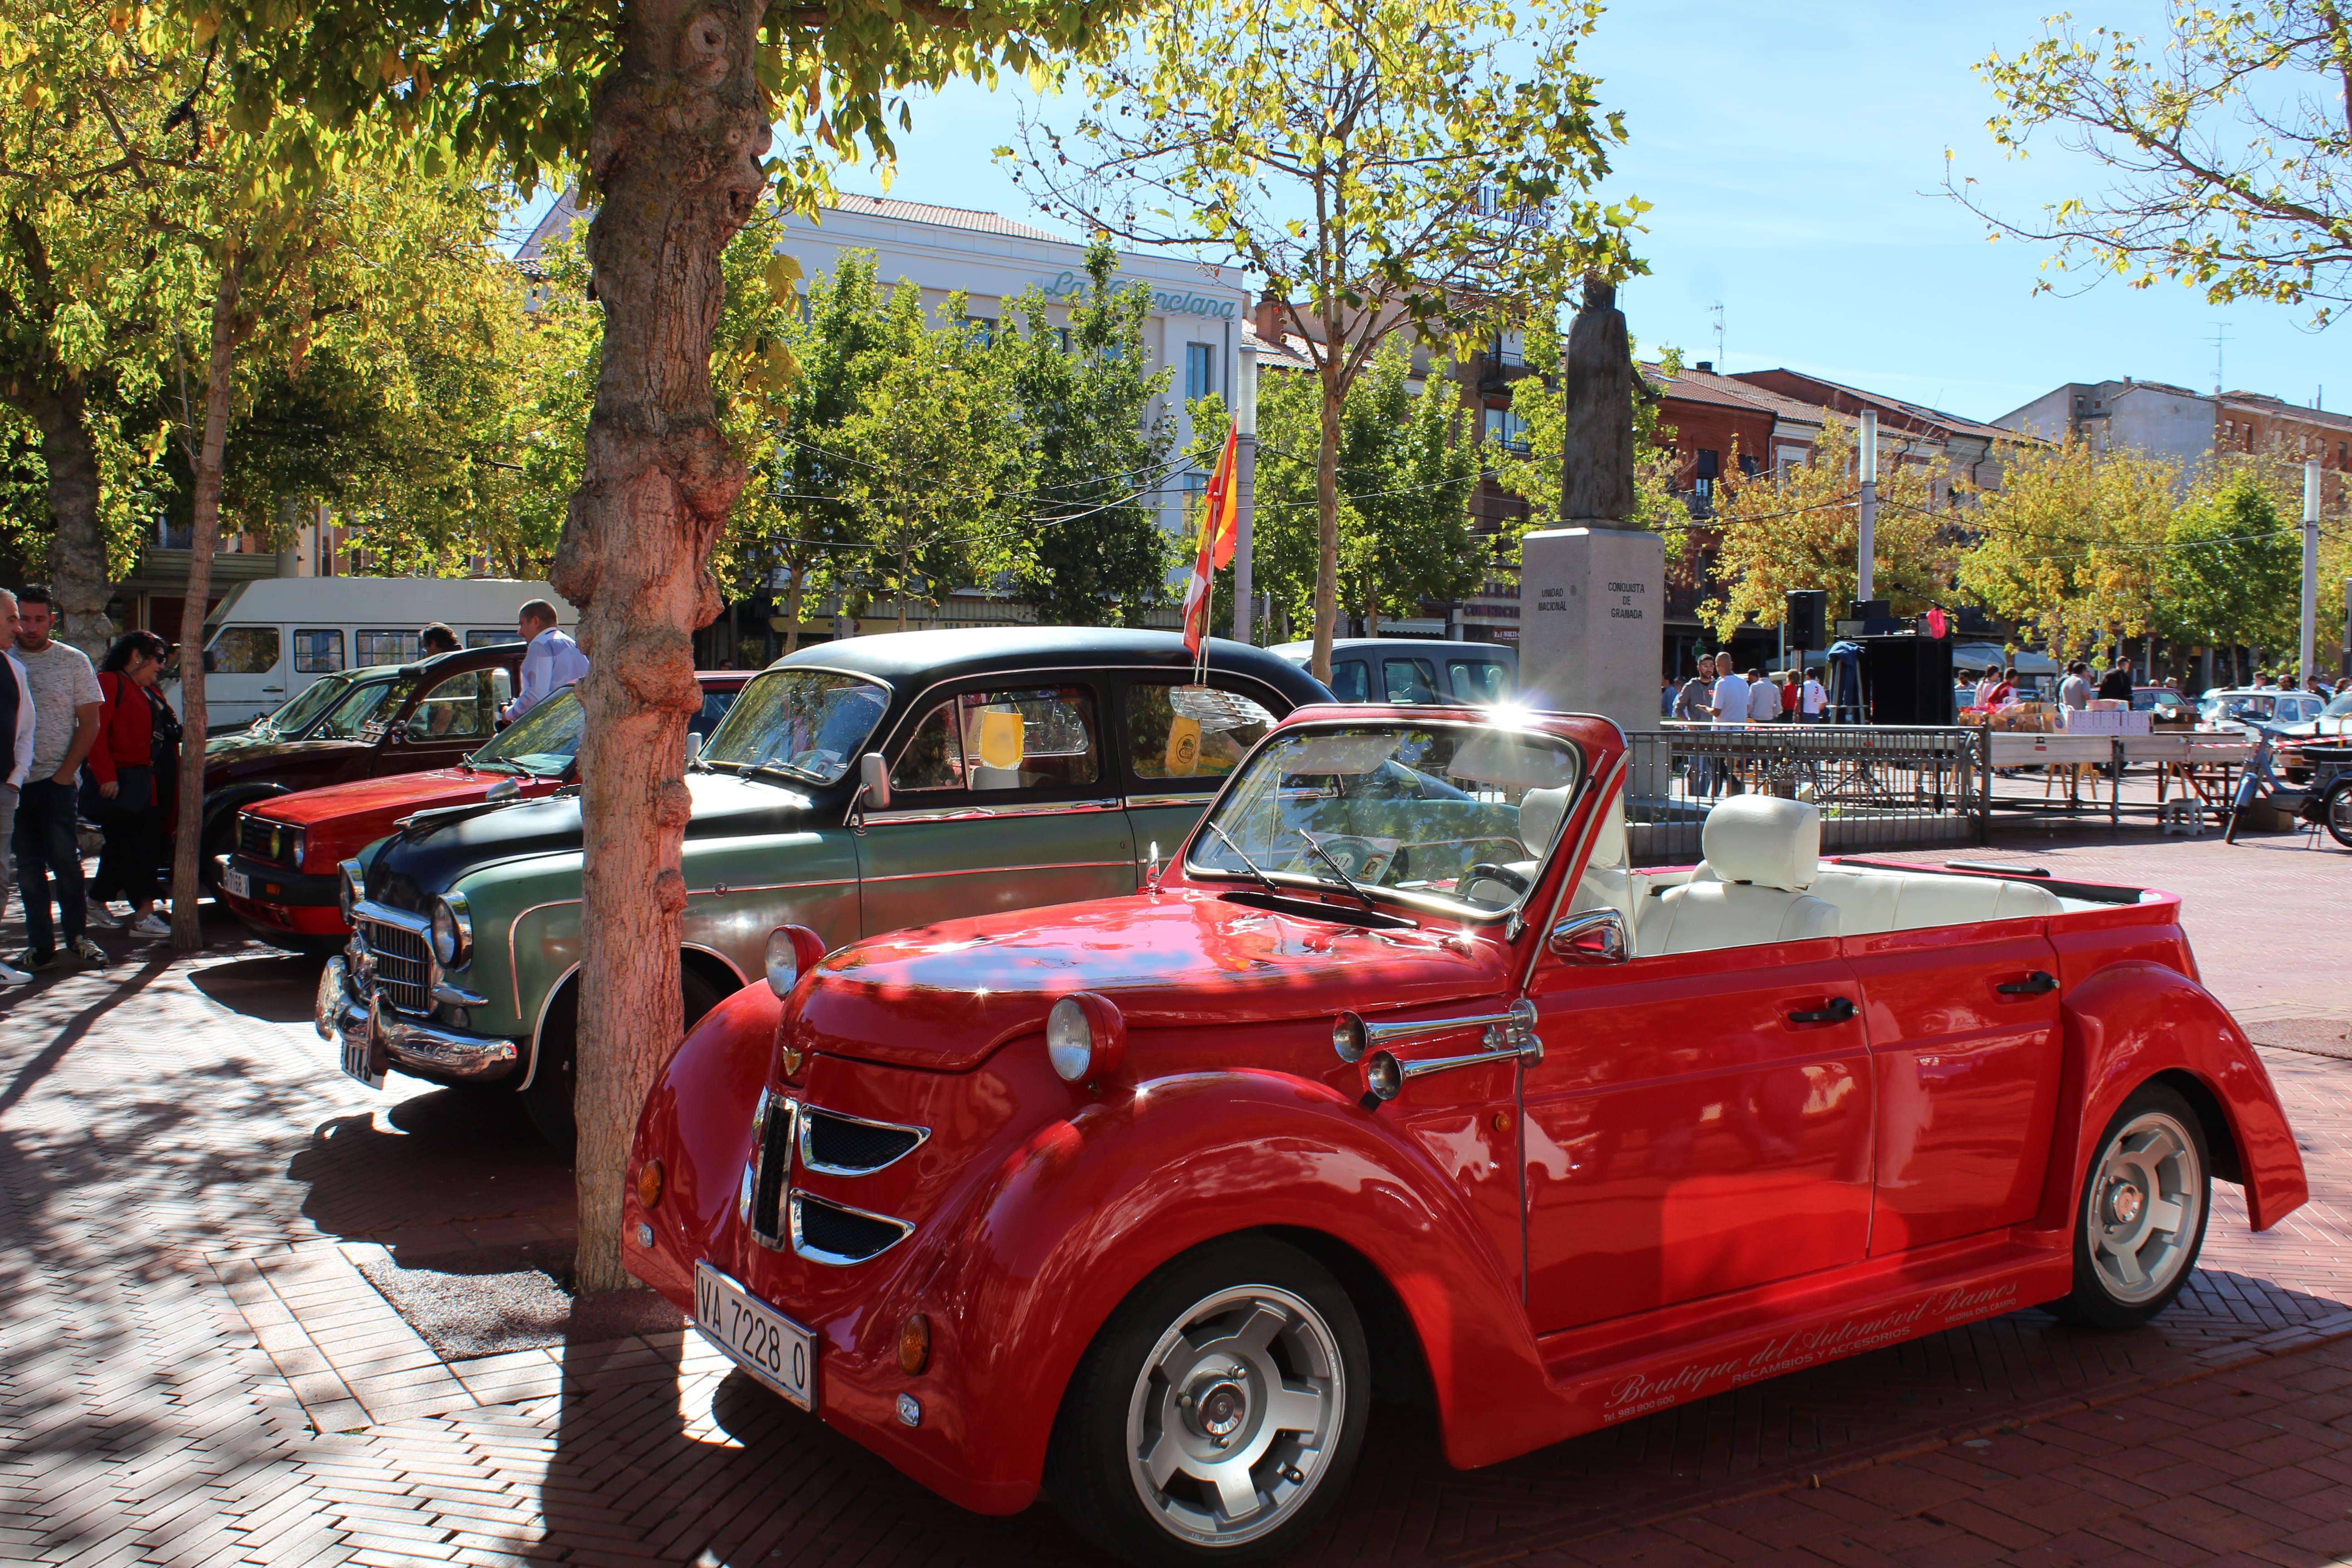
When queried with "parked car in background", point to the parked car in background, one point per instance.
{"points": [[2256, 708], [405, 720], [2330, 727], [1415, 670], [1403, 1078], [269, 640], [854, 787], [283, 877], [2167, 704]]}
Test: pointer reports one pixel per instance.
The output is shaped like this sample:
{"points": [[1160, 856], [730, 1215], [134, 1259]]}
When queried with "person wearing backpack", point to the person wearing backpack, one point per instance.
{"points": [[138, 736]]}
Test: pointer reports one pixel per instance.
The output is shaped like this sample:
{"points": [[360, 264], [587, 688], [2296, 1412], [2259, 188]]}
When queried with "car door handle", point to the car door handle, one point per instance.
{"points": [[2034, 985], [1839, 1010]]}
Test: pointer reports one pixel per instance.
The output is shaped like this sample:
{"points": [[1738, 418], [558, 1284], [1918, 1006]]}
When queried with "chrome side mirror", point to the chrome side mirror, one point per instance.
{"points": [[874, 781], [693, 750], [1592, 936], [503, 791]]}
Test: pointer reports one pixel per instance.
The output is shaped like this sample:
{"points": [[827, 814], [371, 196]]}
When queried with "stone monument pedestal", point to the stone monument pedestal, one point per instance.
{"points": [[1592, 622]]}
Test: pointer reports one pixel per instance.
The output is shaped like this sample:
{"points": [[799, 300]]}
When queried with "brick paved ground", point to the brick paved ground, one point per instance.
{"points": [[194, 1369]]}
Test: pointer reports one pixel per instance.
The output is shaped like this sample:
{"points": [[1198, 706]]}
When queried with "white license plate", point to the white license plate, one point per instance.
{"points": [[237, 882], [755, 1336]]}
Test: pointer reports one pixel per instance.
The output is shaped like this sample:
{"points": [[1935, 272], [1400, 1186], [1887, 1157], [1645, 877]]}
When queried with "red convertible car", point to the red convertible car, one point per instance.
{"points": [[1402, 1082], [280, 873]]}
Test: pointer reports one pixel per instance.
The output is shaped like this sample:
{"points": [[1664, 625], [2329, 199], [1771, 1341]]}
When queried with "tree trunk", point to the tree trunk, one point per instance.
{"points": [[792, 597], [1327, 507], [77, 548], [187, 842], [674, 154]]}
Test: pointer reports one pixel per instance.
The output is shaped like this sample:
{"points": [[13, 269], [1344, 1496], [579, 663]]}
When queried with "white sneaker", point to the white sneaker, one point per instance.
{"points": [[101, 918], [148, 925], [10, 976]]}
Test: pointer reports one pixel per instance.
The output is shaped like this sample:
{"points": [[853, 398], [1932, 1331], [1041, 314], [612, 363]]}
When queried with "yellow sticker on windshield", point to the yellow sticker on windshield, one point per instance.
{"points": [[1183, 747], [999, 740]]}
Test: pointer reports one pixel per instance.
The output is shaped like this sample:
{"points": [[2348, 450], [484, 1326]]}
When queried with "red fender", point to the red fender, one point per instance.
{"points": [[1053, 1243], [2134, 1020], [711, 1083]]}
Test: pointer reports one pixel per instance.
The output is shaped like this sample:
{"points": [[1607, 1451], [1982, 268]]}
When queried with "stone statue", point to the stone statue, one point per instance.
{"points": [[1597, 454]]}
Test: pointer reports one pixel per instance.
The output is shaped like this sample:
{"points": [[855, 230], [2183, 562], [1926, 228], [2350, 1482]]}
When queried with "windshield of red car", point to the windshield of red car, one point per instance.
{"points": [[808, 724], [1455, 816], [542, 743]]}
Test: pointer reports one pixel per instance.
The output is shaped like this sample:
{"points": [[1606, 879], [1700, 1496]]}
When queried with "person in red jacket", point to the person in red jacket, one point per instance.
{"points": [[136, 731]]}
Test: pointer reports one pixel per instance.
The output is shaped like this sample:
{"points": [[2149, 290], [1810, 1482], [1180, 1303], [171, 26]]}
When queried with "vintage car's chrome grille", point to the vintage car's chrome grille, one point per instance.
{"points": [[403, 965], [259, 838], [772, 1165], [836, 1234], [837, 1145]]}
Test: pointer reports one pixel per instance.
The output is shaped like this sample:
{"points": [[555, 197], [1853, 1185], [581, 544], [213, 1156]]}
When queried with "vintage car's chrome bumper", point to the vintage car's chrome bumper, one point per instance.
{"points": [[360, 1021]]}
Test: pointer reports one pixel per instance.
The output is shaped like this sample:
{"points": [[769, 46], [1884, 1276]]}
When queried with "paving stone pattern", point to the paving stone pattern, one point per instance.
{"points": [[194, 1370]]}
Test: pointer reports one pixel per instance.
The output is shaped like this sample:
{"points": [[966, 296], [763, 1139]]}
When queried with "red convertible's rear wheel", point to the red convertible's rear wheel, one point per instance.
{"points": [[2141, 1218], [1218, 1414]]}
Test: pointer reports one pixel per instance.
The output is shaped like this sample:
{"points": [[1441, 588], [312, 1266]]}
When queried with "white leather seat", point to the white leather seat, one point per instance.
{"points": [[1870, 900], [1539, 814], [1761, 854]]}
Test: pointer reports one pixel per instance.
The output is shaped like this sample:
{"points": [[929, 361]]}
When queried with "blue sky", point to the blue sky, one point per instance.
{"points": [[1793, 155]]}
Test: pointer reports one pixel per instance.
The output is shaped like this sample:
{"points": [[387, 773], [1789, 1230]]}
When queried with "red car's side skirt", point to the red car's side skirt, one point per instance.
{"points": [[1613, 1371]]}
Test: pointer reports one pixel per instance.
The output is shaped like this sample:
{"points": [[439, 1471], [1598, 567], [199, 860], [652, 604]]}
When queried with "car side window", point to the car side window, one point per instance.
{"points": [[1348, 681], [243, 650], [1480, 681], [462, 708], [1178, 732], [1408, 680], [1040, 737]]}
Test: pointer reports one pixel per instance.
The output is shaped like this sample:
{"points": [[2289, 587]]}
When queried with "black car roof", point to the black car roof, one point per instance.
{"points": [[456, 661], [909, 658]]}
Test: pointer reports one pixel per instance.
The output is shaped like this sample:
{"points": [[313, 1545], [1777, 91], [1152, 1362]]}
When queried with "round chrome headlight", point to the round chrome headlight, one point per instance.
{"points": [[1084, 1038], [347, 893], [792, 952], [453, 930]]}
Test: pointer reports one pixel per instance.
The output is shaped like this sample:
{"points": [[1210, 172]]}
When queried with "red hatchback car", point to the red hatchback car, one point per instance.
{"points": [[282, 879], [1403, 1079]]}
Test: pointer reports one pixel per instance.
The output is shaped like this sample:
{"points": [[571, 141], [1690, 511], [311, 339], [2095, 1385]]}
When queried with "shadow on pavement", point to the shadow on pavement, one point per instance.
{"points": [[275, 990], [446, 1171]]}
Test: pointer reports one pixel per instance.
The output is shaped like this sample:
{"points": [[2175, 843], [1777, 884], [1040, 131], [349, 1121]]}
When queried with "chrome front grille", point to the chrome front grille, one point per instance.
{"points": [[402, 962], [826, 1143], [833, 1144]]}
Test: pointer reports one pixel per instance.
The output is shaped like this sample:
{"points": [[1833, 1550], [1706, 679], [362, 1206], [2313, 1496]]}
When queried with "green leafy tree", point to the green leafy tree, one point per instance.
{"points": [[1096, 461], [1407, 473], [2070, 546], [1391, 170], [936, 460], [2232, 568], [2227, 148], [673, 103]]}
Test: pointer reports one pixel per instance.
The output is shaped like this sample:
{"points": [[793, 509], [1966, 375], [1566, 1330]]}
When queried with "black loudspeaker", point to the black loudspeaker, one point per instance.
{"points": [[1807, 614], [1907, 680]]}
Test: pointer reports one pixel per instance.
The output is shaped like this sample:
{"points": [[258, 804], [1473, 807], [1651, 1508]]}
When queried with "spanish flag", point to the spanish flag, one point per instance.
{"points": [[1219, 528]]}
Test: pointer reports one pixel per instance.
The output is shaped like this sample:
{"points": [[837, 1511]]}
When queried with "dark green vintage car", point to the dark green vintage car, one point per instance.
{"points": [[1024, 767]]}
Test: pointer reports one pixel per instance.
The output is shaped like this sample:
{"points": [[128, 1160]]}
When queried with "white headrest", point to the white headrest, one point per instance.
{"points": [[1764, 840], [1539, 814]]}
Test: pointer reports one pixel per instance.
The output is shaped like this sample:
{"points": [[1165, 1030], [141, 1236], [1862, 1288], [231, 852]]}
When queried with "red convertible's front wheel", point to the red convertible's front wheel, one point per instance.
{"points": [[2140, 1221], [1219, 1412]]}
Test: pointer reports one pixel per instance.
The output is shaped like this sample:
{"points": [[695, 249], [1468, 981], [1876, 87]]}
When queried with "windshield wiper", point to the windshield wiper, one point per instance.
{"points": [[1263, 879], [1325, 855], [495, 766]]}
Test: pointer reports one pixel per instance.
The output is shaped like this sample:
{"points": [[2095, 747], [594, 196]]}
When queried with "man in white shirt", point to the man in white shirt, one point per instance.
{"points": [[16, 708], [551, 663], [1763, 699], [2075, 691], [1812, 699], [1730, 692]]}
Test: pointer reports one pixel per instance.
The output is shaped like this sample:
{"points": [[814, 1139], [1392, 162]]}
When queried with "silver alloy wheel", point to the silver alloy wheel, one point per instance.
{"points": [[1235, 1414], [2144, 1205]]}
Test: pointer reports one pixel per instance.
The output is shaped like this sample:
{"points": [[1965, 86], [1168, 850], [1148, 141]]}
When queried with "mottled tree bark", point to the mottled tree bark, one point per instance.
{"points": [[78, 547], [187, 842], [674, 154]]}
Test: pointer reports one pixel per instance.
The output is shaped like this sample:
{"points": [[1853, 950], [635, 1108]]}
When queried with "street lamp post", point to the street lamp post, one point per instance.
{"points": [[2306, 663], [1245, 481], [1867, 534]]}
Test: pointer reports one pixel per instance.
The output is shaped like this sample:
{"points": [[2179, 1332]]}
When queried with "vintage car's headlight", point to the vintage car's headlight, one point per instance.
{"points": [[349, 893], [1084, 1038], [793, 950], [291, 842], [453, 930]]}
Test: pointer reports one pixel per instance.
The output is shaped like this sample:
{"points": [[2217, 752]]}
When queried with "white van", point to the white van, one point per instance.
{"points": [[269, 639]]}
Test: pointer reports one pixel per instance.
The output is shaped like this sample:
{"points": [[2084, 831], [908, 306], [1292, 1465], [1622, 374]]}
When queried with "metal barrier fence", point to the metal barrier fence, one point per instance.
{"points": [[1878, 788]]}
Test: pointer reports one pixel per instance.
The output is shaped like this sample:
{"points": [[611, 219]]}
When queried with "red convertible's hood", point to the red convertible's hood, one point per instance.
{"points": [[943, 996], [346, 816]]}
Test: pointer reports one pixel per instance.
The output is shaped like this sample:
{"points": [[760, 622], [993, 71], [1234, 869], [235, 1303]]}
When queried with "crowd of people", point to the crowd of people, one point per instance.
{"points": [[100, 745], [1716, 692]]}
